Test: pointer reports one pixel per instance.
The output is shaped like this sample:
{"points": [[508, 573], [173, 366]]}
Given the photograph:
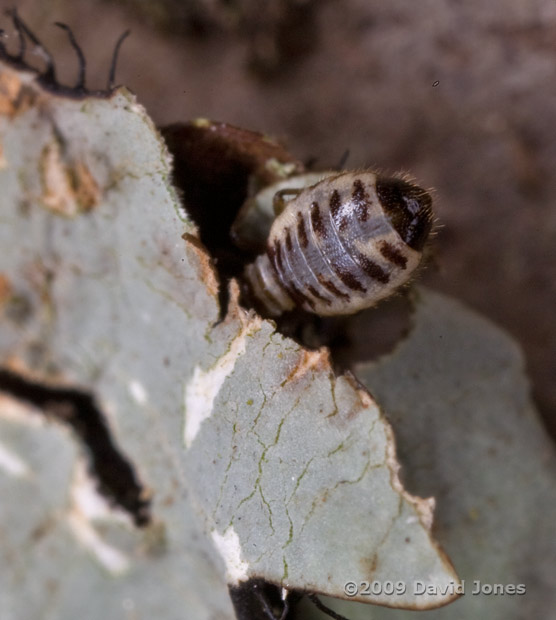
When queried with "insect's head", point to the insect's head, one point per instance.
{"points": [[409, 208]]}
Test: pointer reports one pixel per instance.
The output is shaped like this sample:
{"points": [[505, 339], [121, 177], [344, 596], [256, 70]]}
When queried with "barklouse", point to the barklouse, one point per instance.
{"points": [[341, 245]]}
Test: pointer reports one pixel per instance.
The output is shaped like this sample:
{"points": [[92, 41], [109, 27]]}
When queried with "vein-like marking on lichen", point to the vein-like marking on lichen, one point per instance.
{"points": [[229, 547], [204, 386]]}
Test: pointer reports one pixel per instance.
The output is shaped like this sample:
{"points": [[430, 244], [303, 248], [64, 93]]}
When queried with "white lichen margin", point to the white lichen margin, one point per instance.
{"points": [[229, 547], [203, 388], [87, 505], [13, 411], [138, 392], [424, 506], [11, 464]]}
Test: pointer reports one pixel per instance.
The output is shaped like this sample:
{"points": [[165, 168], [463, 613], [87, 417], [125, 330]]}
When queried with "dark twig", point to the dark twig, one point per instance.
{"points": [[112, 74], [47, 78], [49, 74], [22, 45], [116, 476], [80, 84]]}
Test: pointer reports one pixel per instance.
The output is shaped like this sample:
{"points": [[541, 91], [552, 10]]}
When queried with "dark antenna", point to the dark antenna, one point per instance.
{"points": [[112, 74], [322, 607], [49, 75], [80, 84]]}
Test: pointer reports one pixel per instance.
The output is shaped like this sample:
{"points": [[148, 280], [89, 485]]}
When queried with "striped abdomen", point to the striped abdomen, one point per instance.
{"points": [[342, 245]]}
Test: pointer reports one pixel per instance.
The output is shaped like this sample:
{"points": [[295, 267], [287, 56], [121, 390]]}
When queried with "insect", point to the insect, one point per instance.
{"points": [[341, 244]]}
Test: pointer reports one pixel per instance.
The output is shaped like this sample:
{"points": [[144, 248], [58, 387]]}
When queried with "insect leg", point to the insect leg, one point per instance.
{"points": [[279, 202], [256, 599], [320, 605], [268, 610]]}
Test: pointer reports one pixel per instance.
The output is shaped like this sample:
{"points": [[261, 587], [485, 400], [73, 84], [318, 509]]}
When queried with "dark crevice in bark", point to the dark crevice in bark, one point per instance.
{"points": [[78, 409]]}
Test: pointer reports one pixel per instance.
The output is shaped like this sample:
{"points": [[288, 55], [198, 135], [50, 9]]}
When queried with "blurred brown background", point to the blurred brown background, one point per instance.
{"points": [[463, 95]]}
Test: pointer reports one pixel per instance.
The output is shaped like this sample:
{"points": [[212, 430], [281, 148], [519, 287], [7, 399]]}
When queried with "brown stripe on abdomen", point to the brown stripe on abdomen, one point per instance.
{"points": [[332, 287], [392, 254], [302, 231], [275, 254], [297, 295], [288, 239], [360, 200], [317, 221], [348, 279], [263, 291], [340, 220], [318, 295], [374, 271]]}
